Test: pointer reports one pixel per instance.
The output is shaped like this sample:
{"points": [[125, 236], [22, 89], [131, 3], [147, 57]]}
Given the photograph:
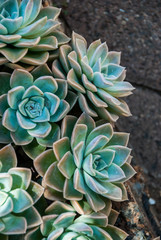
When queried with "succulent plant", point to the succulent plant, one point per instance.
{"points": [[62, 222], [96, 76], [28, 32], [88, 160], [18, 194], [30, 106]]}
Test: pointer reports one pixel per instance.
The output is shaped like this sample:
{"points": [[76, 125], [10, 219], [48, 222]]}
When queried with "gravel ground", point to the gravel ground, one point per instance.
{"points": [[132, 27]]}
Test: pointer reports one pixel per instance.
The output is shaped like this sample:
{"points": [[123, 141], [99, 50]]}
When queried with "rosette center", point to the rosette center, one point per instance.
{"points": [[33, 109]]}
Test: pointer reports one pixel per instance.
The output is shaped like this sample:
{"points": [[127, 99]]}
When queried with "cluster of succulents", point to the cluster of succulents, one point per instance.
{"points": [[81, 162]]}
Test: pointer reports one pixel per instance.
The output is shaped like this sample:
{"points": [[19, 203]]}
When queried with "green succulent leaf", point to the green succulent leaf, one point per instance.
{"points": [[21, 177], [35, 220], [41, 130], [54, 178], [13, 55], [9, 120], [21, 137], [5, 82], [8, 158], [6, 207], [5, 134], [22, 78], [14, 225], [33, 149], [44, 160], [21, 200]]}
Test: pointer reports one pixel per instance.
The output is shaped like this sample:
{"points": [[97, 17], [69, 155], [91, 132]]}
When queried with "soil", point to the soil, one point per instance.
{"points": [[132, 27]]}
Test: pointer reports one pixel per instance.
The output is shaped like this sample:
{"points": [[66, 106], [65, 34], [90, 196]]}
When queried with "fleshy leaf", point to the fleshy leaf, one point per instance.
{"points": [[52, 137], [14, 224], [8, 158], [41, 130], [43, 161], [21, 137], [21, 78], [46, 84], [21, 200], [14, 96], [5, 134], [5, 82], [9, 120], [53, 178], [13, 54]]}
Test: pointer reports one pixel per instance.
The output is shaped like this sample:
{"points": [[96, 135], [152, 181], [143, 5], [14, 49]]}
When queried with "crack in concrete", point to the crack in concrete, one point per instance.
{"points": [[136, 85]]}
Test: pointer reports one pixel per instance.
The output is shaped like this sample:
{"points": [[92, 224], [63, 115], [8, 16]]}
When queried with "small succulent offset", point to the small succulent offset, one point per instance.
{"points": [[30, 105], [96, 76], [18, 194], [88, 160], [28, 32], [62, 222]]}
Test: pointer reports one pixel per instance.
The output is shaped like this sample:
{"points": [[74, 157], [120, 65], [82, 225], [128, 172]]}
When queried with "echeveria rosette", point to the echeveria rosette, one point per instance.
{"points": [[88, 161], [62, 222], [28, 32], [30, 106], [18, 195], [97, 77]]}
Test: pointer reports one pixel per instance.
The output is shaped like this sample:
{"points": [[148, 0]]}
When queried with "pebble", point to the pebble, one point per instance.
{"points": [[122, 10], [123, 22], [152, 201]]}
